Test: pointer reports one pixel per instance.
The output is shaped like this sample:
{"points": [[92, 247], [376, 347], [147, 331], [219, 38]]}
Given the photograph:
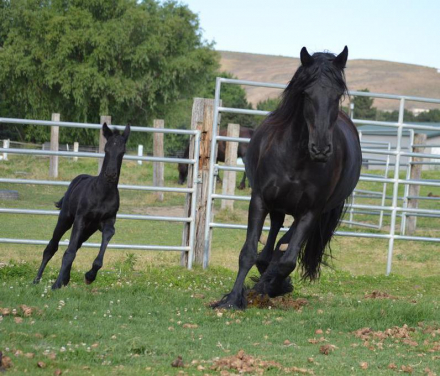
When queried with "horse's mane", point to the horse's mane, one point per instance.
{"points": [[322, 69]]}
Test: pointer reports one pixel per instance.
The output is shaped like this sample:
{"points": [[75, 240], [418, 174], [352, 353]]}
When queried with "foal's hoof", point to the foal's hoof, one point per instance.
{"points": [[36, 281], [230, 301]]}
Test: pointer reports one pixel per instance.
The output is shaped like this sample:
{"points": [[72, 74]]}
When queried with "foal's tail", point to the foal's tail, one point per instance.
{"points": [[59, 204], [313, 250]]}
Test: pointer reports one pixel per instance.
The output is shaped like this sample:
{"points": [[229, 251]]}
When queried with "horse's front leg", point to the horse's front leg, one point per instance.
{"points": [[301, 230], [69, 255], [108, 230], [248, 255], [265, 257]]}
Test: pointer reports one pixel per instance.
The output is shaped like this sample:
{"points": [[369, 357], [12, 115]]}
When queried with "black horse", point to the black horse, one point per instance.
{"points": [[241, 153], [304, 160], [90, 203]]}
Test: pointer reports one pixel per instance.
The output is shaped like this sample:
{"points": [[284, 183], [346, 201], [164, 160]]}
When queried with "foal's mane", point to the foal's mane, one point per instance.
{"points": [[322, 69]]}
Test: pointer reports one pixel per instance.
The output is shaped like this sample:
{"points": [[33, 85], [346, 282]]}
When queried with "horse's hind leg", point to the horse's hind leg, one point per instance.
{"points": [[248, 255], [264, 258], [63, 225], [108, 230]]}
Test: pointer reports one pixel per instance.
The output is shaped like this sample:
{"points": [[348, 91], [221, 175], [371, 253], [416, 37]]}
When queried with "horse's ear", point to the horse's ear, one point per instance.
{"points": [[126, 132], [341, 59], [306, 59], [106, 131]]}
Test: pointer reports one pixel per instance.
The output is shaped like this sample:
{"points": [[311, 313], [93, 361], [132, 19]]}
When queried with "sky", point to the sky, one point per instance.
{"points": [[395, 30]]}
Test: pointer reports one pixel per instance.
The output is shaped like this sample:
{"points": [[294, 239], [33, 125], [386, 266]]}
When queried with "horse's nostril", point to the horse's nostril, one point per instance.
{"points": [[314, 149], [327, 150]]}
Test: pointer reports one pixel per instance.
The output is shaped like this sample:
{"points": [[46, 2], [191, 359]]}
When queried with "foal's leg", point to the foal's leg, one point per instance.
{"points": [[64, 223], [75, 239], [248, 255], [108, 230], [264, 258], [242, 184], [86, 234]]}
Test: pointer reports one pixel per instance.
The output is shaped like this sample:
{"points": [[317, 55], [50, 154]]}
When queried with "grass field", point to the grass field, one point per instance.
{"points": [[144, 311]]}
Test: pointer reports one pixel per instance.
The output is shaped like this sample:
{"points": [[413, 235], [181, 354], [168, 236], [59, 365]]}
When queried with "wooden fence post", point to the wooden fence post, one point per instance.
{"points": [[201, 119], [75, 150], [414, 190], [102, 140], [54, 137], [230, 177], [158, 167], [6, 144], [140, 153]]}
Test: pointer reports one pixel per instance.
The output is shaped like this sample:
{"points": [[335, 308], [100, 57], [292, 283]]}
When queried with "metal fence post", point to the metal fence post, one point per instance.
{"points": [[54, 146], [211, 183], [395, 186]]}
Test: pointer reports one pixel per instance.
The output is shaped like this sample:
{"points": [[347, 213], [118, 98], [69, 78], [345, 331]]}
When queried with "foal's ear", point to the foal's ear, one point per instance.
{"points": [[306, 59], [341, 59], [126, 132], [106, 131]]}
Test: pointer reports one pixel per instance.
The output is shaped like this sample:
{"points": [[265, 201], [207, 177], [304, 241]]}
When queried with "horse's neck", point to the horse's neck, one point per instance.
{"points": [[102, 180], [297, 136]]}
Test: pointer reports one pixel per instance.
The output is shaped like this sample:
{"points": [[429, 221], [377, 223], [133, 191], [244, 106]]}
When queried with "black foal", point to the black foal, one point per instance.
{"points": [[90, 204]]}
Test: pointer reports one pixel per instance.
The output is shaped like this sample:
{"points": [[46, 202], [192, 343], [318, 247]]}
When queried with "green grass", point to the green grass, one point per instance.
{"points": [[136, 320], [150, 298]]}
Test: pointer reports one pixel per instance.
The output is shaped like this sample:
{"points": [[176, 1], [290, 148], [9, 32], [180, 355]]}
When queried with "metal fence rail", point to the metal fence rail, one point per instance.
{"points": [[195, 136], [383, 149]]}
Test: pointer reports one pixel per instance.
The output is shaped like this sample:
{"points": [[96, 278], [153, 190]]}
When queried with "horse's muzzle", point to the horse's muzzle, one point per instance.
{"points": [[320, 155]]}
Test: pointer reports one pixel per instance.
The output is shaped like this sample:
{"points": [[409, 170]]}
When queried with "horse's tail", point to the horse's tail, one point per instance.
{"points": [[313, 250], [59, 204]]}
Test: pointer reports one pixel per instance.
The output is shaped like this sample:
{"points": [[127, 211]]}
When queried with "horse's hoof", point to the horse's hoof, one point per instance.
{"points": [[56, 286], [230, 301], [88, 279], [36, 281]]}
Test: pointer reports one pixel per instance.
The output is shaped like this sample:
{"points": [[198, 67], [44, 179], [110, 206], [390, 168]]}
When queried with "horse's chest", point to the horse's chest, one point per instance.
{"points": [[291, 195]]}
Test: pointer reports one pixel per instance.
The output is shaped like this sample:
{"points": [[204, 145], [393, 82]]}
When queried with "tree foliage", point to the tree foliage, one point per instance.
{"points": [[133, 60], [363, 107]]}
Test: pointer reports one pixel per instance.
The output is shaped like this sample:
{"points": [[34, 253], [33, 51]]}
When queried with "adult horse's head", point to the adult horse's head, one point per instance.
{"points": [[322, 77], [114, 151]]}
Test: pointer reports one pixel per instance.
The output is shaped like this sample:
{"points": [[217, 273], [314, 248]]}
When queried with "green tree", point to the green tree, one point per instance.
{"points": [[133, 60], [363, 107]]}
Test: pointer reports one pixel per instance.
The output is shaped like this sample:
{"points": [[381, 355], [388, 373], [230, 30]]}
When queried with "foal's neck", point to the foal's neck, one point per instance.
{"points": [[102, 179]]}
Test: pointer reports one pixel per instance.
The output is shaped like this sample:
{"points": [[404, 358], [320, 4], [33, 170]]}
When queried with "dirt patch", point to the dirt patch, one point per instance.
{"points": [[375, 339], [21, 311], [243, 363], [280, 302], [379, 295]]}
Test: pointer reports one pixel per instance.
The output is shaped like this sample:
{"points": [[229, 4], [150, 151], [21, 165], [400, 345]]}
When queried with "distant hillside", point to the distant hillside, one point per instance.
{"points": [[376, 75]]}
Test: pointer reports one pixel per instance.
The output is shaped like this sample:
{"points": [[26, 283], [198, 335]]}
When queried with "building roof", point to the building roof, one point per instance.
{"points": [[392, 131]]}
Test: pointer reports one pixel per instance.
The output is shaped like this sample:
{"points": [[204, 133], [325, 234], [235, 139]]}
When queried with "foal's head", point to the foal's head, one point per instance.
{"points": [[114, 151], [323, 78]]}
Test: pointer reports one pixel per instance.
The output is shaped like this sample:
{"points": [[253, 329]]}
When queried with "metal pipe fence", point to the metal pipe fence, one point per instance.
{"points": [[393, 211], [195, 138]]}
